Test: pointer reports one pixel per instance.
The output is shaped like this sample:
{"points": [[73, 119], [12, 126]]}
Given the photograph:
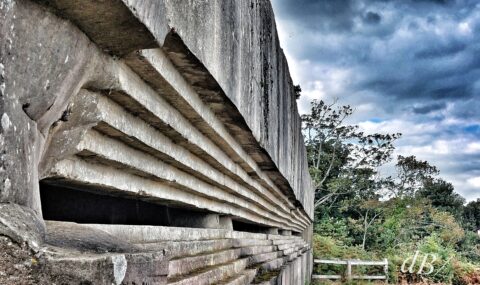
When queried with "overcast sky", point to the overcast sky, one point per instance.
{"points": [[409, 66]]}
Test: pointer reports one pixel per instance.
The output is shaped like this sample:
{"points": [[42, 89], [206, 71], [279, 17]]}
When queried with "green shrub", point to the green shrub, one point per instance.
{"points": [[469, 247], [334, 228]]}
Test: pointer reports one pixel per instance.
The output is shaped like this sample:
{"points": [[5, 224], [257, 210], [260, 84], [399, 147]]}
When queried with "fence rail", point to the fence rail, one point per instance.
{"points": [[348, 272]]}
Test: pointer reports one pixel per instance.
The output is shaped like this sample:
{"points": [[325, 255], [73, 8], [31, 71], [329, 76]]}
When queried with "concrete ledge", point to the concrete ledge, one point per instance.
{"points": [[119, 124], [211, 275], [150, 234], [111, 151], [153, 234], [110, 268], [155, 68], [79, 238], [273, 264], [110, 24], [254, 250], [243, 279], [103, 178], [186, 265], [143, 101], [263, 257], [250, 242], [176, 249]]}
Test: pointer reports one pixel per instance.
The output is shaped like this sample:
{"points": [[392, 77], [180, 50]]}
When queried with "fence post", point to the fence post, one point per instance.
{"points": [[385, 269], [349, 270]]}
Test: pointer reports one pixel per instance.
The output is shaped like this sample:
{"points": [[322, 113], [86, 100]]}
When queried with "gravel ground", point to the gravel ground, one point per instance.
{"points": [[20, 266]]}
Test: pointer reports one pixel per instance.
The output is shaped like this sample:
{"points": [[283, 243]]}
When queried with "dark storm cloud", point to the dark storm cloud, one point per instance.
{"points": [[439, 51], [437, 1], [412, 61], [452, 92], [372, 18], [404, 49], [428, 108]]}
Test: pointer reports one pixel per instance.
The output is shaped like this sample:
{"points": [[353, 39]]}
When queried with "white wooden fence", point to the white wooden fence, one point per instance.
{"points": [[348, 273]]}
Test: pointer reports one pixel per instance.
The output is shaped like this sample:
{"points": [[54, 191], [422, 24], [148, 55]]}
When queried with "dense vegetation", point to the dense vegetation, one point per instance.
{"points": [[361, 214]]}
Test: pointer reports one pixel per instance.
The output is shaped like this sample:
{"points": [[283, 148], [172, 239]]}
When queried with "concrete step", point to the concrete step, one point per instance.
{"points": [[307, 247], [264, 257], [248, 235], [282, 237], [252, 250], [155, 234], [211, 275], [282, 241], [250, 242], [152, 234], [189, 264], [296, 245], [289, 250], [176, 249], [266, 278], [128, 268], [85, 253], [292, 256], [286, 246], [301, 248], [245, 278], [273, 264], [81, 238]]}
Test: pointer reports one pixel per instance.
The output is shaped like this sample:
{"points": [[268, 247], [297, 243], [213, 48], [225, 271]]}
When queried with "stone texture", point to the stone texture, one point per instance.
{"points": [[45, 60], [212, 275], [118, 269], [78, 253], [187, 265], [22, 225], [75, 237], [176, 249], [110, 24]]}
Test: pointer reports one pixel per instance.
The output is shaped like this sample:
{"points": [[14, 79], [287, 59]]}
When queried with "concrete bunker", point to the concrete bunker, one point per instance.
{"points": [[147, 142]]}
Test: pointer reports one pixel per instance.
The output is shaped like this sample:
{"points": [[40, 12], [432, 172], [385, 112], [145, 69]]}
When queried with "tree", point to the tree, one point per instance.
{"points": [[412, 175], [443, 197], [369, 212], [471, 216], [297, 90], [340, 155]]}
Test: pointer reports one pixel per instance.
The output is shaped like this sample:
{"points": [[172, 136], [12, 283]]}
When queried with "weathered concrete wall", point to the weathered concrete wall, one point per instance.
{"points": [[44, 61], [238, 44], [297, 271], [184, 105], [233, 58]]}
